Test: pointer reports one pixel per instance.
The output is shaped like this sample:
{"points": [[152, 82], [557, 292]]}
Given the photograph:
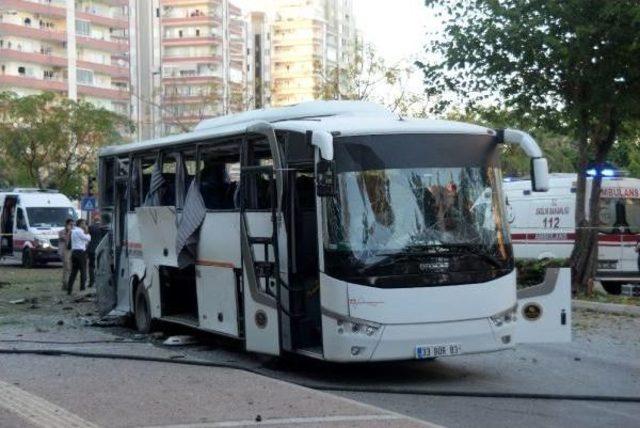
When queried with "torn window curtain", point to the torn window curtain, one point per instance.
{"points": [[134, 189], [154, 197], [193, 215]]}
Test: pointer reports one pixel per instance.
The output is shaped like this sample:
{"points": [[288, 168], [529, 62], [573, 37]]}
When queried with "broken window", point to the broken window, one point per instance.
{"points": [[219, 176]]}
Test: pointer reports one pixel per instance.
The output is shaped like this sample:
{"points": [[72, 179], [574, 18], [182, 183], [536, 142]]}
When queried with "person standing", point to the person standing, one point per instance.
{"points": [[64, 250], [80, 238]]}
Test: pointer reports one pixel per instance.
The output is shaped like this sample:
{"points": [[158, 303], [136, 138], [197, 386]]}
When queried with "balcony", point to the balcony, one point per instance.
{"points": [[190, 19], [191, 41], [33, 57], [122, 73], [189, 2], [32, 32], [190, 99], [192, 79], [121, 22], [55, 9], [107, 93], [102, 45], [204, 59], [56, 85]]}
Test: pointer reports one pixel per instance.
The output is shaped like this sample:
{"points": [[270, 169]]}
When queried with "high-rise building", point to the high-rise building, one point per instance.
{"points": [[258, 59], [202, 61], [76, 48], [309, 42]]}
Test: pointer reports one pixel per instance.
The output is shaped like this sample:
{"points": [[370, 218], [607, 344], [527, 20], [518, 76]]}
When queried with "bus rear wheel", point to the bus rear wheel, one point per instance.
{"points": [[142, 312], [610, 287]]}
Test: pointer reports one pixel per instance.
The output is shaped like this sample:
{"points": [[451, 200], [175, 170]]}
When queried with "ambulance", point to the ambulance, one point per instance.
{"points": [[543, 224], [30, 220]]}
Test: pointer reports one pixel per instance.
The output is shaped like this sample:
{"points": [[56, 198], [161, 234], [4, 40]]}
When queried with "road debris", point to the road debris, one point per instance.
{"points": [[18, 301], [181, 340]]}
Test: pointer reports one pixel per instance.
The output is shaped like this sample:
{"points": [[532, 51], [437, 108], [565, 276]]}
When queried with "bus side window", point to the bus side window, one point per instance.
{"points": [[258, 186], [107, 180], [168, 189], [219, 176], [21, 221], [187, 164], [146, 168]]}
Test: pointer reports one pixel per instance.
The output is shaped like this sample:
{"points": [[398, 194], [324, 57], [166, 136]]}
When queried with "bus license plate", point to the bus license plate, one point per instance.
{"points": [[434, 351]]}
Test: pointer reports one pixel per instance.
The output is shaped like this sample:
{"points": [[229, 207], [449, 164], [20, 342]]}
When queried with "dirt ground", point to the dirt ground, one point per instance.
{"points": [[35, 296]]}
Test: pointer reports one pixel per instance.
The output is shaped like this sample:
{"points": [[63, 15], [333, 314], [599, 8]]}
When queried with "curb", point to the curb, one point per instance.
{"points": [[607, 308]]}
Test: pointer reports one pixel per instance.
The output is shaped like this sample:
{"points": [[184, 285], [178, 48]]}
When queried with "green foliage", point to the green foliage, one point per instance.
{"points": [[48, 141], [571, 66], [560, 150], [531, 272]]}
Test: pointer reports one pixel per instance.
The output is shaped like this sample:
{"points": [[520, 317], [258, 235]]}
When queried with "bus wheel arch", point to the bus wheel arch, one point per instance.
{"points": [[141, 307]]}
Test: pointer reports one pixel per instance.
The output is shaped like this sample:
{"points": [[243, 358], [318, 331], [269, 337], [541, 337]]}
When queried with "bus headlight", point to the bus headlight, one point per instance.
{"points": [[357, 327], [504, 317]]}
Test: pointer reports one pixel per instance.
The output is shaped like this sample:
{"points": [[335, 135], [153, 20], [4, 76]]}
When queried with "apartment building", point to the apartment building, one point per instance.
{"points": [[202, 61], [77, 48], [307, 41]]}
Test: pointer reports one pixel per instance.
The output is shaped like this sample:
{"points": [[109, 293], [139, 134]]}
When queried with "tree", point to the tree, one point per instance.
{"points": [[574, 62], [370, 78], [560, 149], [49, 141]]}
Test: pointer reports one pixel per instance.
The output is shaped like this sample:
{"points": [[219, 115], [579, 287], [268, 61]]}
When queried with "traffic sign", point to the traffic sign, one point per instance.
{"points": [[88, 203]]}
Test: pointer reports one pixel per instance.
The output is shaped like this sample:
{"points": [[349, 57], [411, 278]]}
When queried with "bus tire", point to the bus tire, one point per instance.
{"points": [[610, 287], [142, 311], [27, 258]]}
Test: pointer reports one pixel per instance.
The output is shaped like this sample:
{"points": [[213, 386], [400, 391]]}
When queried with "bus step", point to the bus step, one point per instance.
{"points": [[257, 240]]}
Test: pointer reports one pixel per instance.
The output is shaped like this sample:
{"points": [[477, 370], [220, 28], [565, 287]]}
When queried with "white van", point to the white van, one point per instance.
{"points": [[543, 224], [30, 220]]}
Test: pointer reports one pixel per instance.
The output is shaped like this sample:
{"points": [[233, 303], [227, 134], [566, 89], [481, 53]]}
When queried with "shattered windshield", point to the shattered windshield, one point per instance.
{"points": [[422, 220]]}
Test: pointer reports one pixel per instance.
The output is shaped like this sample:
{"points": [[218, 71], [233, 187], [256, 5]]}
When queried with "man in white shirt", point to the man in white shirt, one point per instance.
{"points": [[80, 238]]}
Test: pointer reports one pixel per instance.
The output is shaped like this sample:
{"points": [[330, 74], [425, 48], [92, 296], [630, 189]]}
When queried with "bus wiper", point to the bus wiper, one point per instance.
{"points": [[390, 258], [471, 249]]}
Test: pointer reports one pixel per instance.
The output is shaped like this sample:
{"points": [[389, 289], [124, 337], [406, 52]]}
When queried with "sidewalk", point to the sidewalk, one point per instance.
{"points": [[48, 390]]}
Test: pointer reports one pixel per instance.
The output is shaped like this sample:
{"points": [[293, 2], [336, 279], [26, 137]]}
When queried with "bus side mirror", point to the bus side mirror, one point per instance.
{"points": [[325, 179], [539, 175]]}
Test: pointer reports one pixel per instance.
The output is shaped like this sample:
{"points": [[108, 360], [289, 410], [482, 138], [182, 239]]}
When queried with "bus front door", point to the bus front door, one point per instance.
{"points": [[260, 230]]}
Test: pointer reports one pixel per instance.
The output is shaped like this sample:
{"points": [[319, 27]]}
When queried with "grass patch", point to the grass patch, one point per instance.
{"points": [[609, 298]]}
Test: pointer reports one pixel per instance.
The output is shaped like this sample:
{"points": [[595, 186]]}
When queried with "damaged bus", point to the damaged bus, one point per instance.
{"points": [[335, 230]]}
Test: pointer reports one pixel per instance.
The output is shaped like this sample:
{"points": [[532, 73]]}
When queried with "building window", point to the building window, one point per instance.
{"points": [[21, 71], [197, 32], [27, 22], [85, 77], [83, 28]]}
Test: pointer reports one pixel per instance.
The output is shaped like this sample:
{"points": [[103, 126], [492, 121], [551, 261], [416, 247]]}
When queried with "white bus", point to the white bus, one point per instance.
{"points": [[334, 230], [30, 220], [543, 224]]}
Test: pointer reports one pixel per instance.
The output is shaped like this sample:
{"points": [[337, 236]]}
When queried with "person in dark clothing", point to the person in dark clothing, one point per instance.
{"points": [[80, 238]]}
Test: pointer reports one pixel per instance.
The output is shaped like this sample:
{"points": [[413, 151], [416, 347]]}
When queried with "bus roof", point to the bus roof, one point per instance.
{"points": [[370, 120]]}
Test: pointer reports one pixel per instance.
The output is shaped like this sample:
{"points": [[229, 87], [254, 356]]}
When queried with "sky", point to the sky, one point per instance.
{"points": [[397, 28]]}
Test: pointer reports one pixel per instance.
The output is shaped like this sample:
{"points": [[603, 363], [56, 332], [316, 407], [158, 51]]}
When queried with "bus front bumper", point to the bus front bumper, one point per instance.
{"points": [[406, 341]]}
